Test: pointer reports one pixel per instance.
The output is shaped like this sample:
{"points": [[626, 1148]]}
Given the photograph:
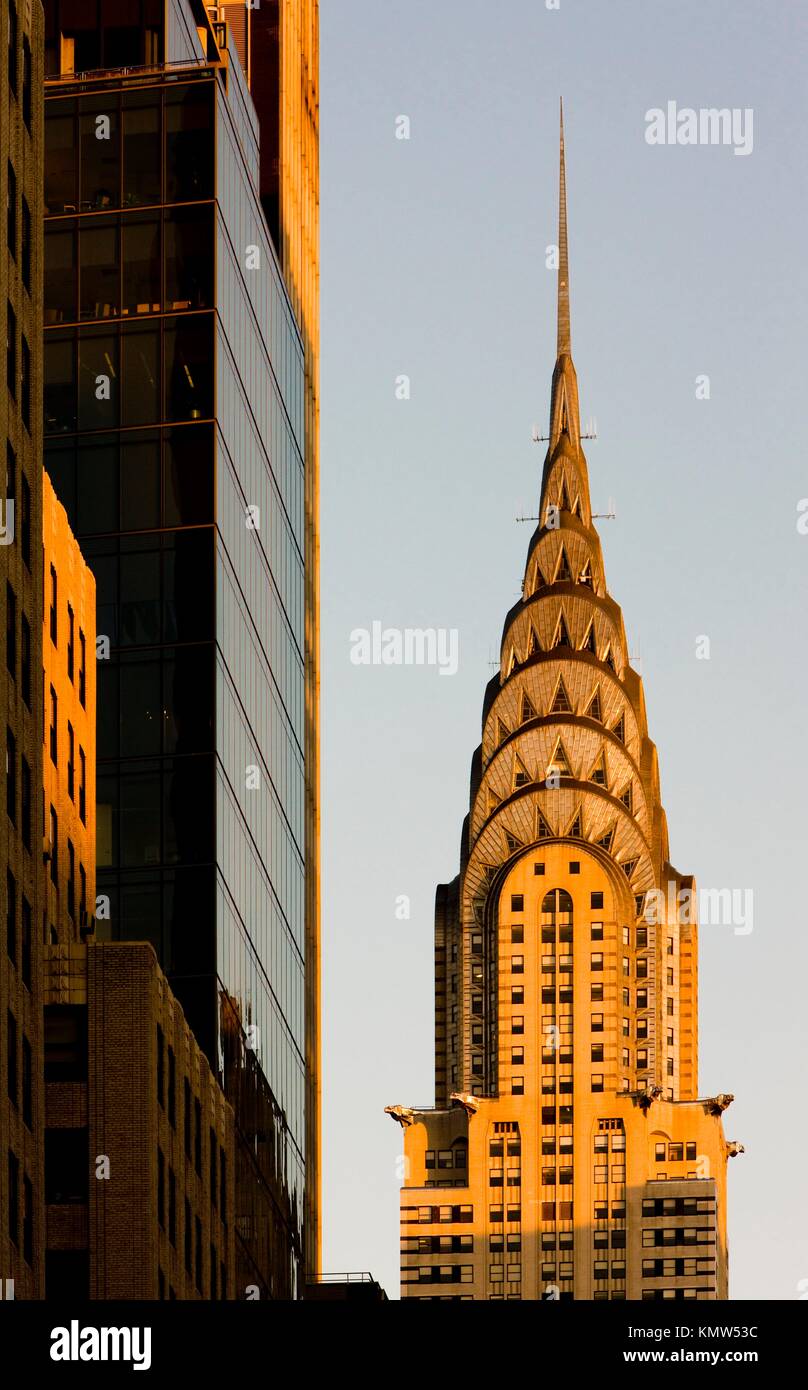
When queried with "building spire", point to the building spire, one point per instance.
{"points": [[564, 342]]}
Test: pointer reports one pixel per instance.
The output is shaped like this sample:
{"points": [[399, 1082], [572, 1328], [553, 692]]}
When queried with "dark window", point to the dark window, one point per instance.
{"points": [[142, 260], [161, 1187], [188, 145], [71, 880], [53, 731], [54, 847], [26, 942], [11, 210], [54, 595], [71, 765], [11, 475], [213, 1149], [11, 776], [13, 1197], [187, 1234], [100, 269], [142, 150], [27, 1081], [214, 1262], [82, 786], [188, 355], [25, 660], [25, 520], [99, 159], [11, 917], [11, 630], [25, 249], [27, 1220], [186, 1111], [223, 1186], [172, 1110], [596, 900], [160, 1066], [11, 351], [25, 384], [517, 902], [198, 1137], [189, 258], [65, 1042], [198, 1253], [83, 896], [67, 1165], [71, 641], [61, 258], [25, 803], [82, 669], [11, 1054], [172, 1207]]}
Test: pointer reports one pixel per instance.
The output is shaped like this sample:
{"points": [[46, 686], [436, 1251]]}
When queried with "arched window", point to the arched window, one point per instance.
{"points": [[556, 916]]}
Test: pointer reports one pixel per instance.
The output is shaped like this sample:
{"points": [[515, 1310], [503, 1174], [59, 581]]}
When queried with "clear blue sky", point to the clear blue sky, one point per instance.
{"points": [[684, 261]]}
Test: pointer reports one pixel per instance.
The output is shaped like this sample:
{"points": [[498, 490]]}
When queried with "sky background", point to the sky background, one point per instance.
{"points": [[683, 261]]}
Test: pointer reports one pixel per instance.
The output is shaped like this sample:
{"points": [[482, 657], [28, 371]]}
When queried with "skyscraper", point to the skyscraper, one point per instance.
{"points": [[22, 880], [569, 1154], [175, 436], [278, 42]]}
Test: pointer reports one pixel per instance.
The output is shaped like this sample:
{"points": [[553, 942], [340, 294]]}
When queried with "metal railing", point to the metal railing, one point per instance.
{"points": [[142, 70]]}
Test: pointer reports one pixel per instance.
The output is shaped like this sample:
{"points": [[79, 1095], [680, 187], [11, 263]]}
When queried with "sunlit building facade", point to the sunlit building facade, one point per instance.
{"points": [[569, 1154], [175, 437]]}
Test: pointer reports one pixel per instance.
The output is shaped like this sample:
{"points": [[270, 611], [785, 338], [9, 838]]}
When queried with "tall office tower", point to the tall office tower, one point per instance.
{"points": [[570, 1155], [139, 1139], [21, 867], [175, 437], [278, 42]]}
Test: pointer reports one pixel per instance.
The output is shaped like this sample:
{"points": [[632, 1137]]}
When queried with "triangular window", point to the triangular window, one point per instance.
{"points": [[628, 866], [561, 702], [606, 841], [493, 801], [590, 645], [521, 776], [565, 497], [540, 581], [533, 644], [563, 571], [503, 732], [511, 662], [528, 709], [576, 829], [639, 904], [598, 773], [593, 710], [543, 831], [562, 637], [609, 659], [560, 760], [619, 729], [627, 797], [577, 508], [585, 577], [512, 842]]}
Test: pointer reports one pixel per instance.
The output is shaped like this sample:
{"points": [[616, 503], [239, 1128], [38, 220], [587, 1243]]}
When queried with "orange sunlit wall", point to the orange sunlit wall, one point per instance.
{"points": [[69, 679]]}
